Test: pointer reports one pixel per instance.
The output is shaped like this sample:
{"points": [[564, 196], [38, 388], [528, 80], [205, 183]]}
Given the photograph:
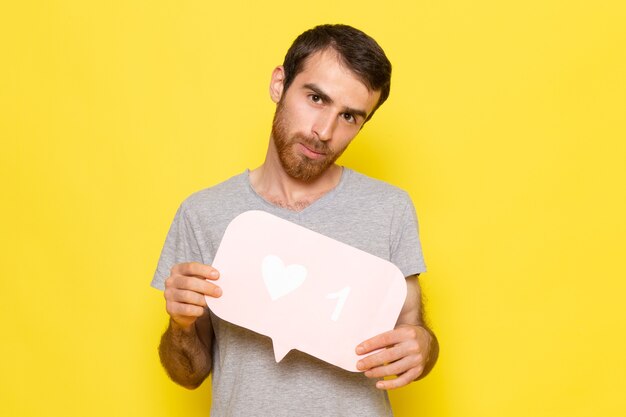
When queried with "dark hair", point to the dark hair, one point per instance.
{"points": [[358, 51]]}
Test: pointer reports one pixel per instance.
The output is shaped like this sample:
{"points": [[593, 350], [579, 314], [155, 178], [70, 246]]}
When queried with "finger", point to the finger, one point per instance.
{"points": [[391, 354], [386, 339], [186, 297], [183, 310], [199, 285], [196, 269], [394, 368], [380, 358], [402, 380]]}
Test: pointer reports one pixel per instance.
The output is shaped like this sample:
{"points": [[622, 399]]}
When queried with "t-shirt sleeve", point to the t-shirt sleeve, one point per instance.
{"points": [[180, 245], [406, 249]]}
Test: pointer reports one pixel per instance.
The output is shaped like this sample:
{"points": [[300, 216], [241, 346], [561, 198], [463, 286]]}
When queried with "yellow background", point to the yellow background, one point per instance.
{"points": [[506, 123]]}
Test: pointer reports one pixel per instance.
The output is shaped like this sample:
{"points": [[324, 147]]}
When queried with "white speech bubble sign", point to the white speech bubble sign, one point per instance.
{"points": [[304, 290]]}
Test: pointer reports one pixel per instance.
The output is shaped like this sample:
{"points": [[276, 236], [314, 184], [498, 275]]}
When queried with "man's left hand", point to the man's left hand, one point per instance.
{"points": [[405, 354]]}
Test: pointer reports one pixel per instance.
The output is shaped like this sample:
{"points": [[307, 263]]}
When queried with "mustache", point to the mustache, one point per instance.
{"points": [[313, 144]]}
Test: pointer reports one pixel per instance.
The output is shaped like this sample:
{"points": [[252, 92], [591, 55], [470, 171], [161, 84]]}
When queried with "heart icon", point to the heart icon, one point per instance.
{"points": [[279, 279]]}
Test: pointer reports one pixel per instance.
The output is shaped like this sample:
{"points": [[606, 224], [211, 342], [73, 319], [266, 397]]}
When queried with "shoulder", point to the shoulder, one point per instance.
{"points": [[207, 198], [368, 187]]}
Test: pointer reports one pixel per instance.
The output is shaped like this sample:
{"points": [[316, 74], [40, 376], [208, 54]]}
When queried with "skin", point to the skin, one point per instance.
{"points": [[324, 107], [409, 350], [185, 348], [316, 119]]}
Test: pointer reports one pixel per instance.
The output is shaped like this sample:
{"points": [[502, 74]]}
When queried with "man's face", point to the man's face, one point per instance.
{"points": [[317, 117]]}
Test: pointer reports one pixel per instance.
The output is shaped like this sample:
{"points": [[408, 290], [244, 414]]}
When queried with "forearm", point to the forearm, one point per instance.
{"points": [[184, 356], [413, 315], [433, 352]]}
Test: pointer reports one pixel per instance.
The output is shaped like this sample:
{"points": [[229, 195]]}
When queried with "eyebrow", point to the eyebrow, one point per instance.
{"points": [[318, 91]]}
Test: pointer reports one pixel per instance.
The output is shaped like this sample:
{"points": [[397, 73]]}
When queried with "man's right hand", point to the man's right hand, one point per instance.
{"points": [[185, 289]]}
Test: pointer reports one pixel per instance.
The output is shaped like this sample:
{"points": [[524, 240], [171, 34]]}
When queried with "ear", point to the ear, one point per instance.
{"points": [[276, 84]]}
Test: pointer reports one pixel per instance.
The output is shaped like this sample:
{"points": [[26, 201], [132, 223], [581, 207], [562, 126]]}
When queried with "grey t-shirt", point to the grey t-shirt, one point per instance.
{"points": [[362, 212]]}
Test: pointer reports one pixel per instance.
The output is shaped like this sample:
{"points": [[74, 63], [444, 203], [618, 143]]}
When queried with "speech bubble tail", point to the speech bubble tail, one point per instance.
{"points": [[280, 351]]}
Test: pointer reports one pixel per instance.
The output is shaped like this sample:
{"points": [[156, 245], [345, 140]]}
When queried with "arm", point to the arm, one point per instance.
{"points": [[410, 350], [185, 348]]}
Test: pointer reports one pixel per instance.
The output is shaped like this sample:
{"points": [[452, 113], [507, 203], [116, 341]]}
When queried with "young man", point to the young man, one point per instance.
{"points": [[332, 81]]}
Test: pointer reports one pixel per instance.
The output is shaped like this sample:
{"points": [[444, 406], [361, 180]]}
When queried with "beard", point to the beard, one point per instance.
{"points": [[296, 165]]}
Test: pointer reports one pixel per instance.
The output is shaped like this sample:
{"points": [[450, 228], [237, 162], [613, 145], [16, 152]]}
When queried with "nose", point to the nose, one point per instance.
{"points": [[324, 125]]}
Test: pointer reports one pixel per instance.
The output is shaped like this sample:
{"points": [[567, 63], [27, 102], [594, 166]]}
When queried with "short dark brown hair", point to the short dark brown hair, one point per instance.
{"points": [[361, 54]]}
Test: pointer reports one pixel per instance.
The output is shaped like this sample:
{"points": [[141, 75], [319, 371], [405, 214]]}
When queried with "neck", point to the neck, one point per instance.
{"points": [[272, 183]]}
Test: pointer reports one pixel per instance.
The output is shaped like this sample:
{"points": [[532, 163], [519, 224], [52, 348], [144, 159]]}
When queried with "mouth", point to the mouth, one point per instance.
{"points": [[310, 153]]}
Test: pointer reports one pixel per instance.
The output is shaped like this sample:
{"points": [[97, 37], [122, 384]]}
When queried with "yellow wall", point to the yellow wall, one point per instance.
{"points": [[506, 123]]}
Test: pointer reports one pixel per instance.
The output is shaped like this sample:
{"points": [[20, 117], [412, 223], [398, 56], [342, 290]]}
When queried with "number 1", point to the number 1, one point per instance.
{"points": [[341, 296]]}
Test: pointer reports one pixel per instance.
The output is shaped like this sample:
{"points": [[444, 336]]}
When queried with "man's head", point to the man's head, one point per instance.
{"points": [[333, 80], [357, 51]]}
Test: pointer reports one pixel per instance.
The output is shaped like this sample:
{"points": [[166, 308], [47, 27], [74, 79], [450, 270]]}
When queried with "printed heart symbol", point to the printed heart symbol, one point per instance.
{"points": [[279, 279]]}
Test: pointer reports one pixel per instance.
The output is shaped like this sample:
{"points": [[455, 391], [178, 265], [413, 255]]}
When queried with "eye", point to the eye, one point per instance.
{"points": [[315, 98], [348, 117]]}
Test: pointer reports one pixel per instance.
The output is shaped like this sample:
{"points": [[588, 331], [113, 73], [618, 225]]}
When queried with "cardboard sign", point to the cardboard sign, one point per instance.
{"points": [[304, 290]]}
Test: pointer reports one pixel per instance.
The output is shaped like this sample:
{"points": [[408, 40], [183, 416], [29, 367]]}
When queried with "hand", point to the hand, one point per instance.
{"points": [[405, 353], [185, 289]]}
